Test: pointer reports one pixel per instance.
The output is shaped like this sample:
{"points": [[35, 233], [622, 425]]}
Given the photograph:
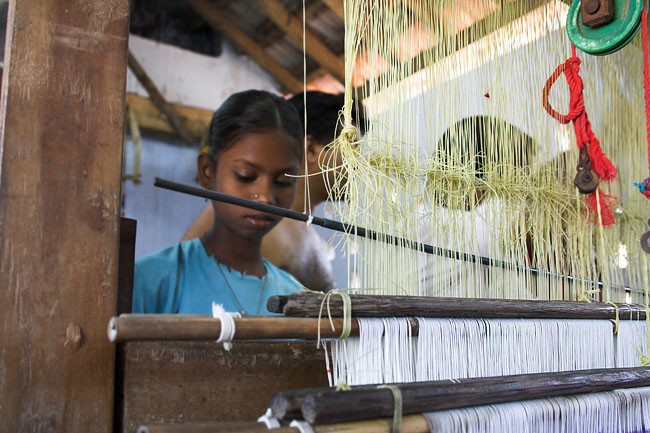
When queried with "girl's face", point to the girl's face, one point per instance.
{"points": [[253, 167]]}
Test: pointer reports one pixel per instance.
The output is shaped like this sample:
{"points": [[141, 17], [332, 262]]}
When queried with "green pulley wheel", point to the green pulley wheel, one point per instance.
{"points": [[609, 37]]}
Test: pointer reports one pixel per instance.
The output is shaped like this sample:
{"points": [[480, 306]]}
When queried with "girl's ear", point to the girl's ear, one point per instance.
{"points": [[314, 149], [206, 168]]}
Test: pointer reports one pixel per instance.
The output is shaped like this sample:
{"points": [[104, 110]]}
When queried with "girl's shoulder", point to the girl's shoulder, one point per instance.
{"points": [[170, 257]]}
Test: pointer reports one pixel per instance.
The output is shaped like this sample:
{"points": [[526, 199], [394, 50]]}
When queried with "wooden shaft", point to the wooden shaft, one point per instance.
{"points": [[410, 424], [220, 427], [292, 26], [309, 305], [331, 406], [159, 101], [159, 327]]}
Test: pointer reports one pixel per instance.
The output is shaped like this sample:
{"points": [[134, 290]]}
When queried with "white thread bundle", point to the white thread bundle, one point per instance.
{"points": [[624, 411], [386, 352], [228, 328]]}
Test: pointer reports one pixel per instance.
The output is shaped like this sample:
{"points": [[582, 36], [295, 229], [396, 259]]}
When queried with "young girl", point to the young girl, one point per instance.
{"points": [[256, 145]]}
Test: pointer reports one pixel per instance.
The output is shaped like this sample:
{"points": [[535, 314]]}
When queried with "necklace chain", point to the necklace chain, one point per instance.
{"points": [[232, 292]]}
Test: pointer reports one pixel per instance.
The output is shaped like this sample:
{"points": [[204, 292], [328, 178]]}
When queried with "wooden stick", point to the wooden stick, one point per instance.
{"points": [[410, 424], [221, 427], [159, 101], [309, 305], [331, 406], [160, 327]]}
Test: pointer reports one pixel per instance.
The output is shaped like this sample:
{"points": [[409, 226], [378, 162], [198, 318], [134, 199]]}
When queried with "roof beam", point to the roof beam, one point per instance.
{"points": [[159, 101], [336, 6], [292, 26], [213, 16]]}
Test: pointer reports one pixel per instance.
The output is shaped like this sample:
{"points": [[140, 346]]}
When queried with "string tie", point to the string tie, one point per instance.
{"points": [[577, 114], [269, 420], [227, 325], [302, 426], [347, 313], [397, 404]]}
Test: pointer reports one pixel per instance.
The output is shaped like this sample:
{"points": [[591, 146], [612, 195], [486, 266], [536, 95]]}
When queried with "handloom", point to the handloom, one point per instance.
{"points": [[461, 153]]}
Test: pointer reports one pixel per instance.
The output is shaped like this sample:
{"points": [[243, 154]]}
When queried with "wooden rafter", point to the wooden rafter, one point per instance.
{"points": [[465, 37], [337, 7], [213, 16], [316, 49], [150, 118], [159, 101]]}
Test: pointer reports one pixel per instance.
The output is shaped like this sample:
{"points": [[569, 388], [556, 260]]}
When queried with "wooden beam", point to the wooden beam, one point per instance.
{"points": [[61, 133], [225, 25], [159, 101], [513, 10], [150, 118], [337, 7], [292, 26]]}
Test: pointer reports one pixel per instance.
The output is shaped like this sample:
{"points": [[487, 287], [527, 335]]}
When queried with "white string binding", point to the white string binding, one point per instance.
{"points": [[269, 420], [310, 219], [227, 325], [303, 426]]}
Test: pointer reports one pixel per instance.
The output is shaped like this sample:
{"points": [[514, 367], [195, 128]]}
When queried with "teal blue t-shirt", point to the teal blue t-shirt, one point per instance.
{"points": [[183, 279]]}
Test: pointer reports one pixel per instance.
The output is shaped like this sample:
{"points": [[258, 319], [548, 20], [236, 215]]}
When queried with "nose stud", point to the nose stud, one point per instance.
{"points": [[256, 196]]}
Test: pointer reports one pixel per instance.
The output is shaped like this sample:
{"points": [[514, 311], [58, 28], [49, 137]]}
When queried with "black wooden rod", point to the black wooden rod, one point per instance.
{"points": [[326, 405], [363, 232]]}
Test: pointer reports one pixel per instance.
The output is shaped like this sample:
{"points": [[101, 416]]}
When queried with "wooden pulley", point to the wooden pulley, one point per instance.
{"points": [[602, 27], [645, 240], [586, 180]]}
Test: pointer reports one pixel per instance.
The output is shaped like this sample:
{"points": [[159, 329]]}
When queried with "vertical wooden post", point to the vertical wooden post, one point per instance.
{"points": [[61, 115]]}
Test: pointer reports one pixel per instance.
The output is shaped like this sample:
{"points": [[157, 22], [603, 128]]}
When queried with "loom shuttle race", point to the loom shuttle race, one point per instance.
{"points": [[494, 238]]}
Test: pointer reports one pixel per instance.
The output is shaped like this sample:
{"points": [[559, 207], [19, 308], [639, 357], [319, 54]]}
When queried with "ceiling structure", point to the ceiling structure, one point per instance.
{"points": [[271, 33]]}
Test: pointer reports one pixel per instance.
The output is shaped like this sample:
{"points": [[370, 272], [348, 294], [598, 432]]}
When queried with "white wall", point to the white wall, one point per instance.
{"points": [[197, 80]]}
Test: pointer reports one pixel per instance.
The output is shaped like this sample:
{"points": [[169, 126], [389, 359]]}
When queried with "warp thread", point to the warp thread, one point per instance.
{"points": [[644, 186]]}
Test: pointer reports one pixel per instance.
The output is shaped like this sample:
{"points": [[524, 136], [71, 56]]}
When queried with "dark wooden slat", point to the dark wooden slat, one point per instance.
{"points": [[199, 382], [309, 305], [159, 101], [60, 148], [331, 406], [128, 229]]}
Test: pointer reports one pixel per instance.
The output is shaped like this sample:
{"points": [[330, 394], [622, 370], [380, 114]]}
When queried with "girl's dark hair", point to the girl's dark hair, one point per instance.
{"points": [[253, 111]]}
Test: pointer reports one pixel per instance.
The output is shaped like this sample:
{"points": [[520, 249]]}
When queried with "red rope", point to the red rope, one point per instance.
{"points": [[577, 114], [644, 186]]}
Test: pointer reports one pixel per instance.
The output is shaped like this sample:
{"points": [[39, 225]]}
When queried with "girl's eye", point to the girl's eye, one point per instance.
{"points": [[283, 180], [244, 177]]}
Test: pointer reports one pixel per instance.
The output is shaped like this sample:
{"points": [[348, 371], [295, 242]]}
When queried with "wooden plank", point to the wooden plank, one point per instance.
{"points": [[159, 101], [213, 16], [292, 26], [337, 7], [60, 143], [172, 382], [309, 305], [330, 406], [150, 118]]}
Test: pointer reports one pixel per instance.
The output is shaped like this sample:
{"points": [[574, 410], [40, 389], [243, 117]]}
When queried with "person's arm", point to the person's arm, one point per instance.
{"points": [[201, 224]]}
